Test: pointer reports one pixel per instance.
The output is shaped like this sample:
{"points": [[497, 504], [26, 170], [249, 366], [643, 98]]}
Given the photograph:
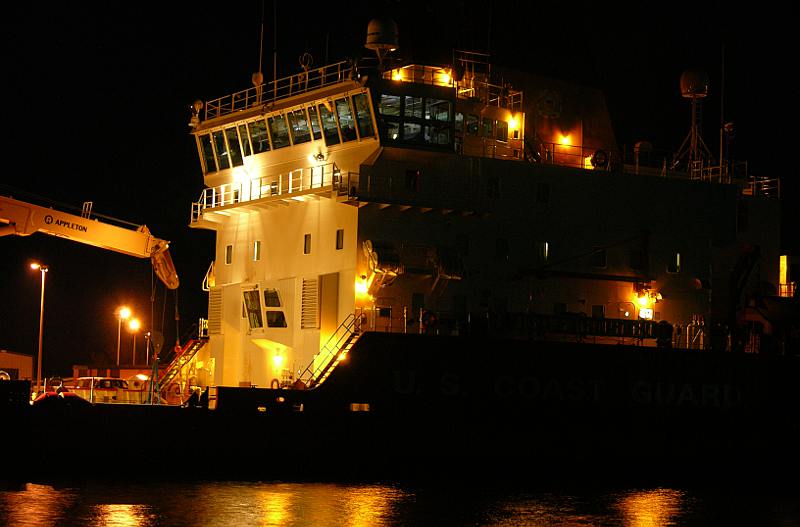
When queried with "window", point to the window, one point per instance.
{"points": [[208, 153], [411, 132], [437, 135], [221, 150], [459, 122], [345, 120], [363, 115], [598, 311], [674, 265], [486, 127], [501, 128], [299, 127], [307, 244], [245, 140], [391, 130], [272, 298], [258, 134], [228, 254], [279, 131], [599, 257], [276, 319], [252, 306], [472, 124], [257, 250], [233, 143], [389, 105], [438, 110], [413, 107], [313, 117], [329, 128], [339, 239]]}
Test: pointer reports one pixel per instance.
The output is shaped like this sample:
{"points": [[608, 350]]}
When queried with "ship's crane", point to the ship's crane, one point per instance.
{"points": [[23, 219]]}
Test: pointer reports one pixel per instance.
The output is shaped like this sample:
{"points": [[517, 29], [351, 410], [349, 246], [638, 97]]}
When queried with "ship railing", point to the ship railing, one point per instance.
{"points": [[574, 156], [279, 89], [787, 290], [763, 187], [334, 350], [322, 177]]}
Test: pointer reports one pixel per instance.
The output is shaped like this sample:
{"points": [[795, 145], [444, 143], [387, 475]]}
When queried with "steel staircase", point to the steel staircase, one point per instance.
{"points": [[187, 353], [333, 352]]}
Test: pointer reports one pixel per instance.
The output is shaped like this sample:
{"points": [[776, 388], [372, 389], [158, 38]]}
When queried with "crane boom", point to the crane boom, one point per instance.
{"points": [[23, 219]]}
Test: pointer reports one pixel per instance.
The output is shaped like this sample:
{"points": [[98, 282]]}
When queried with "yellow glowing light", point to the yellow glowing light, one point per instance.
{"points": [[397, 75], [124, 313], [444, 77], [565, 140], [134, 324], [36, 266], [587, 163], [361, 287], [643, 301], [783, 269], [278, 360], [646, 313], [513, 123], [142, 377]]}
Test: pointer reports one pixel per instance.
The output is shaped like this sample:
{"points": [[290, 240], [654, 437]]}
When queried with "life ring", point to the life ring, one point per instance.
{"points": [[600, 159], [275, 384]]}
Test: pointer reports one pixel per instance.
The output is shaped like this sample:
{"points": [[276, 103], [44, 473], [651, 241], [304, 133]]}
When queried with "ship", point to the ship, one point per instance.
{"points": [[452, 265]]}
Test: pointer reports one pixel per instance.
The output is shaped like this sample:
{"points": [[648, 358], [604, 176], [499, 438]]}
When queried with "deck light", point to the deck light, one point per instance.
{"points": [[123, 313]]}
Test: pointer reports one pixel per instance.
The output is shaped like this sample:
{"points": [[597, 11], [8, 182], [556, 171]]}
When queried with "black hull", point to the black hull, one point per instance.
{"points": [[406, 405]]}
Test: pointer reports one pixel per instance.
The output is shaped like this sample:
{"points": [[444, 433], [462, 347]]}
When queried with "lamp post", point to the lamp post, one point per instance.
{"points": [[123, 313], [134, 326], [43, 269]]}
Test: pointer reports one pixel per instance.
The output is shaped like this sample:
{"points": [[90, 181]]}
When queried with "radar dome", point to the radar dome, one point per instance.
{"points": [[694, 84], [382, 34]]}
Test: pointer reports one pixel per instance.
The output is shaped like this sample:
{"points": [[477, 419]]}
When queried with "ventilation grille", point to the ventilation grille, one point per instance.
{"points": [[215, 311], [309, 312]]}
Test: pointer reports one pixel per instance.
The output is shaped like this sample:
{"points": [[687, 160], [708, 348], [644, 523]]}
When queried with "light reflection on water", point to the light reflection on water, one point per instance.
{"points": [[374, 505]]}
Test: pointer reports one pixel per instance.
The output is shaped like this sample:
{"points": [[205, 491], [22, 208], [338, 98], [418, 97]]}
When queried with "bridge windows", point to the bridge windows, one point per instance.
{"points": [[363, 115], [207, 152], [221, 149], [259, 136], [410, 119], [313, 118], [329, 128], [299, 127], [337, 121], [279, 131], [234, 148], [346, 123]]}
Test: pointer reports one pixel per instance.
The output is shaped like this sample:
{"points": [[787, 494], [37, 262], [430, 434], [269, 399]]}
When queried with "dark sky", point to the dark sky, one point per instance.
{"points": [[96, 97]]}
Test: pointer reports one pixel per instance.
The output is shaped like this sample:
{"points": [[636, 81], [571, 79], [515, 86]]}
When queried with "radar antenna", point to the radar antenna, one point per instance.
{"points": [[694, 86], [382, 38]]}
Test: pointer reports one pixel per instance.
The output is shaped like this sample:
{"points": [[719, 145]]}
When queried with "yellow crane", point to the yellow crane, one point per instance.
{"points": [[23, 219]]}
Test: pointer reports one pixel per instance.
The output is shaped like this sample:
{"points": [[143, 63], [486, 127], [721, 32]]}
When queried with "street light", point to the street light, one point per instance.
{"points": [[43, 269], [123, 313], [133, 327]]}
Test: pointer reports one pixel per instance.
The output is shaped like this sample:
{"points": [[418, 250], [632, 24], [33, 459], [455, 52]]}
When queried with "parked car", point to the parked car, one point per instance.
{"points": [[106, 390]]}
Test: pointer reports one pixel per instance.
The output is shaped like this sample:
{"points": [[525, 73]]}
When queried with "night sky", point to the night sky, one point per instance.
{"points": [[96, 98]]}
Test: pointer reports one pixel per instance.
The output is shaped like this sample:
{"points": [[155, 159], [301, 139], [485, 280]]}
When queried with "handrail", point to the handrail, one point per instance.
{"points": [[279, 89], [293, 182], [331, 349]]}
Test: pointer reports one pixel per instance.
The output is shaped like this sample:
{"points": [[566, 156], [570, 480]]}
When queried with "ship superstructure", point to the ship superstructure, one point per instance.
{"points": [[419, 198]]}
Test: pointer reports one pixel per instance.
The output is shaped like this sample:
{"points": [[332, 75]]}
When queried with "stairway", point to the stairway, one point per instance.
{"points": [[187, 353], [333, 352]]}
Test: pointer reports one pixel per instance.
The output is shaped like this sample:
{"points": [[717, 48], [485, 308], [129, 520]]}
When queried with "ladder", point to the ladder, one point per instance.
{"points": [[183, 358], [333, 352]]}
